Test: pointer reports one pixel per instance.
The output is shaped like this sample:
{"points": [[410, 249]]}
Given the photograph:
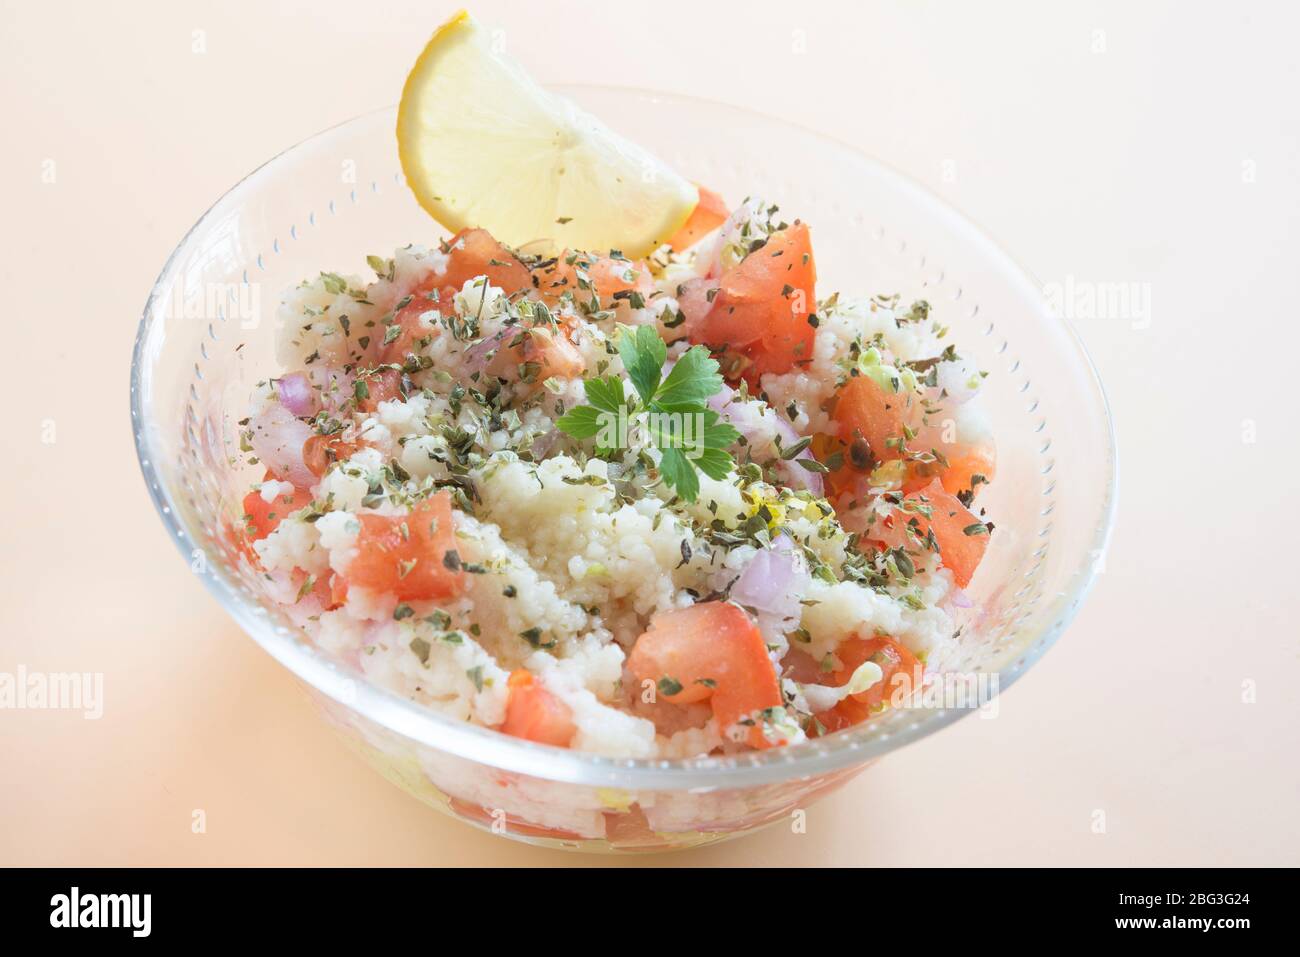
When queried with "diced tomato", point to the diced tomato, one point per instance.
{"points": [[838, 481], [553, 354], [900, 668], [407, 556], [715, 652], [961, 537], [959, 473], [602, 275], [534, 713], [709, 213], [865, 410], [470, 253], [261, 517], [235, 539], [844, 715], [473, 252], [413, 330], [535, 354], [901, 673], [320, 452], [695, 299], [762, 306], [384, 386]]}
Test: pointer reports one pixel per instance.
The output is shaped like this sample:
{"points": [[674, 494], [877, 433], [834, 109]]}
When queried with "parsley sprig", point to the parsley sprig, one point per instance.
{"points": [[683, 392]]}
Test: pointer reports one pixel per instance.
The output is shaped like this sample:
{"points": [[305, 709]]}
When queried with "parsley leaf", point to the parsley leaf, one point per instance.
{"points": [[644, 354], [581, 422], [606, 393], [679, 472], [718, 434], [715, 463], [690, 436], [692, 380]]}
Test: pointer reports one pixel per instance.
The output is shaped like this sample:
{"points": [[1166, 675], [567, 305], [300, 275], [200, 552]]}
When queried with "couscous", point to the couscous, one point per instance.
{"points": [[647, 509]]}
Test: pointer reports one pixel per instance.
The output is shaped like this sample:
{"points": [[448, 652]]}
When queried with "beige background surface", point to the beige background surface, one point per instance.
{"points": [[1112, 142]]}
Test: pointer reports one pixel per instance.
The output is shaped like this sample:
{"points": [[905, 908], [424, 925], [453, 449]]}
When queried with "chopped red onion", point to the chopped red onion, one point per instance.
{"points": [[277, 439], [758, 427], [333, 386], [478, 355], [773, 585], [544, 444], [795, 475], [720, 401], [296, 394]]}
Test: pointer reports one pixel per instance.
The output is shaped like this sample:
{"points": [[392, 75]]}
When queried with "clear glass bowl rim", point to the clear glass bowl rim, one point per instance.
{"points": [[485, 746]]}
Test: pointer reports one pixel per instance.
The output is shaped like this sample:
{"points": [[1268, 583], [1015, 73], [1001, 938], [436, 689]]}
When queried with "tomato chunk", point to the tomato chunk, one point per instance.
{"points": [[710, 651], [958, 474], [961, 537], [709, 213], [534, 713], [413, 331], [261, 517], [762, 305], [407, 556], [383, 386], [865, 410], [900, 669], [473, 252], [552, 354], [534, 354], [470, 253], [583, 274], [320, 452]]}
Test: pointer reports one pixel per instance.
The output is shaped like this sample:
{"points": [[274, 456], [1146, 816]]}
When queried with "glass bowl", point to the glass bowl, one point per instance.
{"points": [[206, 337]]}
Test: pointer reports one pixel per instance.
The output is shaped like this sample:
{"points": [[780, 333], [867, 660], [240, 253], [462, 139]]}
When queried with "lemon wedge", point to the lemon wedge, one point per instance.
{"points": [[482, 144]]}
